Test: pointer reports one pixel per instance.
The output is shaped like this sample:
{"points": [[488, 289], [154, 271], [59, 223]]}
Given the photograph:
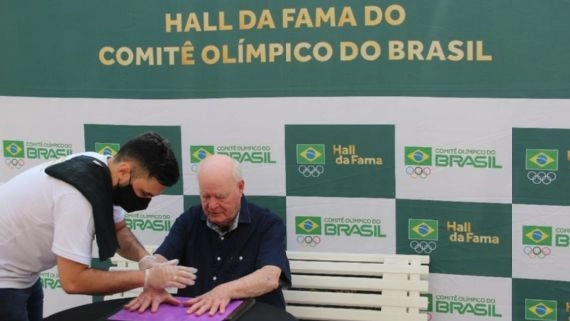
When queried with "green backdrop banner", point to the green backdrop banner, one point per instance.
{"points": [[202, 49]]}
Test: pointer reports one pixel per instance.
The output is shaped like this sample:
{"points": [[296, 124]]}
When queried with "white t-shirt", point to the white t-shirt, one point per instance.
{"points": [[41, 217]]}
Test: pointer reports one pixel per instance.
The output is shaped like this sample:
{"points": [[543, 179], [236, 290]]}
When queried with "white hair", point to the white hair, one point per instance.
{"points": [[236, 167]]}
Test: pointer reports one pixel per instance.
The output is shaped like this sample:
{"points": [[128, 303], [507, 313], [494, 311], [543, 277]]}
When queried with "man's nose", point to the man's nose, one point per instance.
{"points": [[212, 203]]}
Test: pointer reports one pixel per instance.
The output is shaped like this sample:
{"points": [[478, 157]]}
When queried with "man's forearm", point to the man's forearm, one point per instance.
{"points": [[129, 245], [254, 284], [79, 279]]}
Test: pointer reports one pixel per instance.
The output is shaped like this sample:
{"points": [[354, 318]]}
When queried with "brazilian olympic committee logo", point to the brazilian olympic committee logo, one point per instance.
{"points": [[14, 153], [423, 235], [308, 230], [418, 161], [541, 165], [107, 149], [310, 159], [243, 153], [537, 241], [544, 310]]}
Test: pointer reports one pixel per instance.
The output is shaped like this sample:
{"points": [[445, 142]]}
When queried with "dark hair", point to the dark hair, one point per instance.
{"points": [[154, 154]]}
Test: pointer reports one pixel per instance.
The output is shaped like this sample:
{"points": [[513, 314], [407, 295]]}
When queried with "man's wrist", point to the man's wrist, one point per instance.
{"points": [[145, 284], [147, 261]]}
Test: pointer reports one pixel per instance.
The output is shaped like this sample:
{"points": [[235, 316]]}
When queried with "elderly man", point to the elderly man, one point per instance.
{"points": [[237, 247]]}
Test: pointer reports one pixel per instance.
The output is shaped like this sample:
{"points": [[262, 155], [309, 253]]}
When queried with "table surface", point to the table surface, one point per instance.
{"points": [[100, 311]]}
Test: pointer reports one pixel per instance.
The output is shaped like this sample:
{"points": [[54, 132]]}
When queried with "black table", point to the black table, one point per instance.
{"points": [[100, 311]]}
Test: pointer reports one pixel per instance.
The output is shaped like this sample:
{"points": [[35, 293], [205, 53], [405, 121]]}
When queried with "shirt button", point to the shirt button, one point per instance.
{"points": [[221, 238], [219, 258], [241, 258], [214, 278]]}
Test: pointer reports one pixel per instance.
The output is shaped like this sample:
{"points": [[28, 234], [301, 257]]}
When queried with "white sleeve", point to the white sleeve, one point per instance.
{"points": [[74, 228], [118, 214]]}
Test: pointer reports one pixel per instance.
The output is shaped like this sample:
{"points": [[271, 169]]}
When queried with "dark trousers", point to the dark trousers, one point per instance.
{"points": [[22, 304]]}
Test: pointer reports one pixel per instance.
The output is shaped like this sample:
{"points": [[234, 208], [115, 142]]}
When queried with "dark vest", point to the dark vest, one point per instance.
{"points": [[92, 178]]}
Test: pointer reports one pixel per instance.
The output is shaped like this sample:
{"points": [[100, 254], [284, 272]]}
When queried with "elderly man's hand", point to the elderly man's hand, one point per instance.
{"points": [[153, 298], [214, 301]]}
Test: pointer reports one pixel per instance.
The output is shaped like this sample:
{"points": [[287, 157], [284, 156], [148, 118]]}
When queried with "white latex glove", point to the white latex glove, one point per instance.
{"points": [[147, 262], [169, 274]]}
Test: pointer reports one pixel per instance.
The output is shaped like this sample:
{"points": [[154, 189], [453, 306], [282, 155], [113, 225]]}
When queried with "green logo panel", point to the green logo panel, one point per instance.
{"points": [[461, 238], [143, 64], [340, 160], [107, 138], [539, 300], [541, 166]]}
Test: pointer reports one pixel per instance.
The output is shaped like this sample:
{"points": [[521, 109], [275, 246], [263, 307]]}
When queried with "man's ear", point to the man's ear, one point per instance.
{"points": [[123, 170]]}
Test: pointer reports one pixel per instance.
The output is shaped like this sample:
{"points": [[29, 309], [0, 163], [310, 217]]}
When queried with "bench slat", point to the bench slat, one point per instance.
{"points": [[354, 268], [354, 299], [357, 283], [357, 257], [342, 314]]}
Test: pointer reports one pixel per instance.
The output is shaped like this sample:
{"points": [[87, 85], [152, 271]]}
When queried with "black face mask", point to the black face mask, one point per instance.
{"points": [[126, 198]]}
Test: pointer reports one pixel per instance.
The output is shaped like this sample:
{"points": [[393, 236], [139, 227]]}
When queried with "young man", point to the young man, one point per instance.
{"points": [[50, 215]]}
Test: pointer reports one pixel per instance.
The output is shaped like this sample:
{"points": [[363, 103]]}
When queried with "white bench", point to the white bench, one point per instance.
{"points": [[357, 287]]}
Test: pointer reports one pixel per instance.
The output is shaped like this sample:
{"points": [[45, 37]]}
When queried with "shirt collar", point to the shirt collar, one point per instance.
{"points": [[219, 230]]}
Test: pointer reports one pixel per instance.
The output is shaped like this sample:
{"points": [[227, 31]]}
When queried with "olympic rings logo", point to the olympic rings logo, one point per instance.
{"points": [[537, 251], [311, 170], [541, 177], [421, 172], [423, 246], [308, 240], [16, 163]]}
